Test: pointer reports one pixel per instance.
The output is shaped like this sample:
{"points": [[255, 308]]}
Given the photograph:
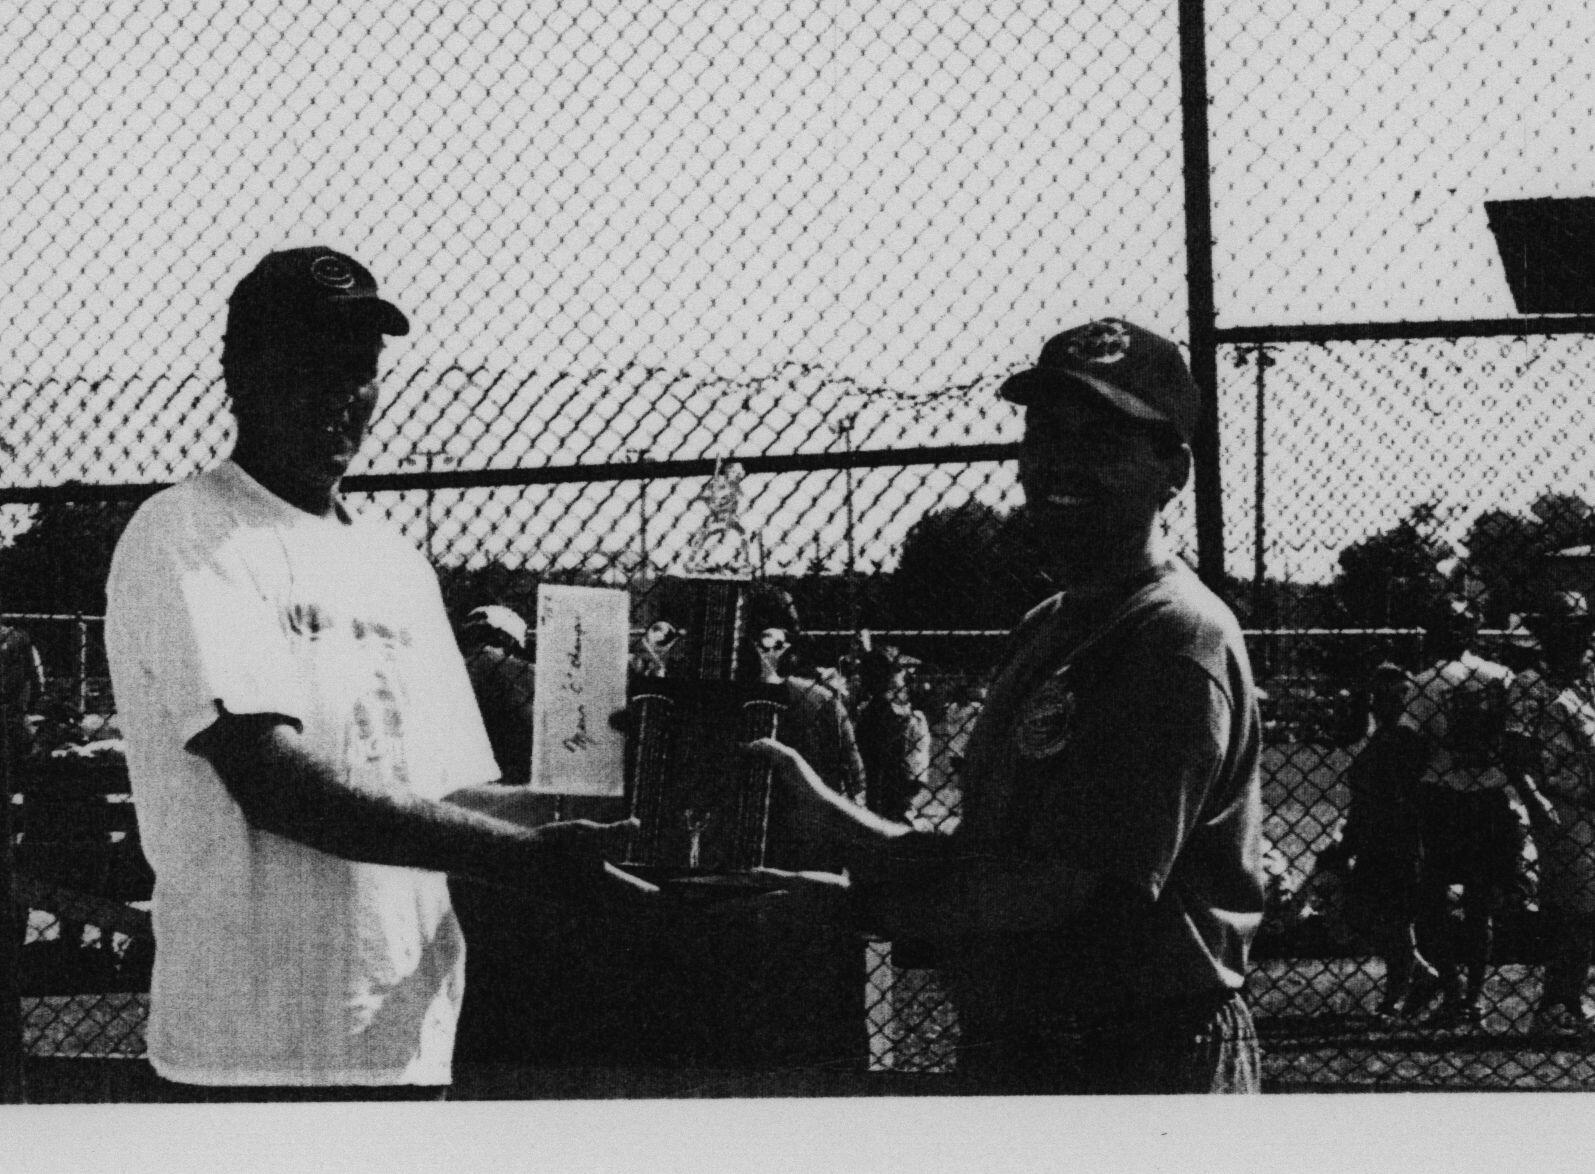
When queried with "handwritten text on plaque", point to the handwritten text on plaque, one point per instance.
{"points": [[582, 639]]}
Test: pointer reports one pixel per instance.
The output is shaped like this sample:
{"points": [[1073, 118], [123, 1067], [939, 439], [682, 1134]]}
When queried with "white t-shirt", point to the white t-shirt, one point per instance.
{"points": [[276, 963]]}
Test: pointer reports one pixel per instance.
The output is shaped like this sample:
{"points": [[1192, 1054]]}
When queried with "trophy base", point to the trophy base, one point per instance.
{"points": [[699, 882]]}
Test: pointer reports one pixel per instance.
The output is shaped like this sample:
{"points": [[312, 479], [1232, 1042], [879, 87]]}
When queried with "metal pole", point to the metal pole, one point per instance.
{"points": [[1262, 615], [12, 927], [428, 456], [1259, 526], [639, 455], [82, 664], [852, 557], [1199, 289], [844, 427]]}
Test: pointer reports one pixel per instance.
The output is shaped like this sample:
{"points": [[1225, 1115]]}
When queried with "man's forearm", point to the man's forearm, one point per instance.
{"points": [[289, 793], [381, 828], [514, 803]]}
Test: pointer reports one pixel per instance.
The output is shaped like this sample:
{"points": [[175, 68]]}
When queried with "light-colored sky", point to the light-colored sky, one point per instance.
{"points": [[784, 203]]}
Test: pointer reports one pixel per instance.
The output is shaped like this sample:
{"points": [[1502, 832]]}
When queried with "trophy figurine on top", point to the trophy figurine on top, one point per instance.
{"points": [[703, 805]]}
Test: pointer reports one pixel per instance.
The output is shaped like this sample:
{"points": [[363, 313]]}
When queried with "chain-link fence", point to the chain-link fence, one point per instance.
{"points": [[814, 238], [1432, 467]]}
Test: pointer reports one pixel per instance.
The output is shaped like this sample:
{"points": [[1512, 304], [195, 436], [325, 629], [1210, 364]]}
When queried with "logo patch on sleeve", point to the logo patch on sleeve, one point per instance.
{"points": [[1046, 719]]}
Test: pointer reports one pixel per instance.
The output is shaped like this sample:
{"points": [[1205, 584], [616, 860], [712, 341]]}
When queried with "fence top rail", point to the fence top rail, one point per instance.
{"points": [[1507, 633], [1396, 331], [564, 474]]}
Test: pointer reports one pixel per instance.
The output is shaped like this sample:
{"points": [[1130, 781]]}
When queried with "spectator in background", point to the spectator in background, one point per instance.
{"points": [[21, 693], [1471, 831], [1382, 836], [959, 720], [834, 678], [893, 736], [815, 723], [501, 677], [949, 740], [1551, 740]]}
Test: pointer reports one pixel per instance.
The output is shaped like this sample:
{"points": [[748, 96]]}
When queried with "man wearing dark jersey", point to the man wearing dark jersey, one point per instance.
{"points": [[1097, 901]]}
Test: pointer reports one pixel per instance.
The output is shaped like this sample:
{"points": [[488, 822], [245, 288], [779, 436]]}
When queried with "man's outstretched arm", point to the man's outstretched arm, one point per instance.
{"points": [[286, 789], [917, 884]]}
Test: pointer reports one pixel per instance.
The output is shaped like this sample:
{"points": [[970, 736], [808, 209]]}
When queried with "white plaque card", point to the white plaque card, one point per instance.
{"points": [[582, 642]]}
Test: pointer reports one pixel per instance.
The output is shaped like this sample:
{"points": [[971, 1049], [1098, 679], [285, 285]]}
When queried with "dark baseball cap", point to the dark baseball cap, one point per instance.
{"points": [[1133, 370], [296, 297], [880, 664]]}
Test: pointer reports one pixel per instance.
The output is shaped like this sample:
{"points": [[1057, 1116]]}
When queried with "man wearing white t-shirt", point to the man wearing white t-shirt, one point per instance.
{"points": [[307, 758]]}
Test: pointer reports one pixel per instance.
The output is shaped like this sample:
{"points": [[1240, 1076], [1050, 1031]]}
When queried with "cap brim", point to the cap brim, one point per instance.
{"points": [[1037, 385], [385, 316]]}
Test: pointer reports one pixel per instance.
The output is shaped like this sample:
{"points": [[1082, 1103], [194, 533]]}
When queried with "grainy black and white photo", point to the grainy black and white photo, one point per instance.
{"points": [[835, 549]]}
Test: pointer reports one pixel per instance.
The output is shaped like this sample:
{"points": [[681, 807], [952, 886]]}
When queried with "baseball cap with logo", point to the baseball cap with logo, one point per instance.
{"points": [[297, 298], [1132, 369]]}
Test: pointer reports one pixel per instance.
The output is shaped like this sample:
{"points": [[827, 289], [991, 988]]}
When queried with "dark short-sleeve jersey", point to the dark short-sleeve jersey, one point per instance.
{"points": [[1137, 758]]}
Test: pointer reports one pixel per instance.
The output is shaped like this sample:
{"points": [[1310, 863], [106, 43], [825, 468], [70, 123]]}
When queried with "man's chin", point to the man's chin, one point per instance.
{"points": [[336, 464], [322, 478], [1050, 528], [1072, 550]]}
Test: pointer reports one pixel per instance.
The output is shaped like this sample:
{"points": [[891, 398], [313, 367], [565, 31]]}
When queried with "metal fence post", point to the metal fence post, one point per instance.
{"points": [[1260, 488], [11, 930], [1199, 288]]}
